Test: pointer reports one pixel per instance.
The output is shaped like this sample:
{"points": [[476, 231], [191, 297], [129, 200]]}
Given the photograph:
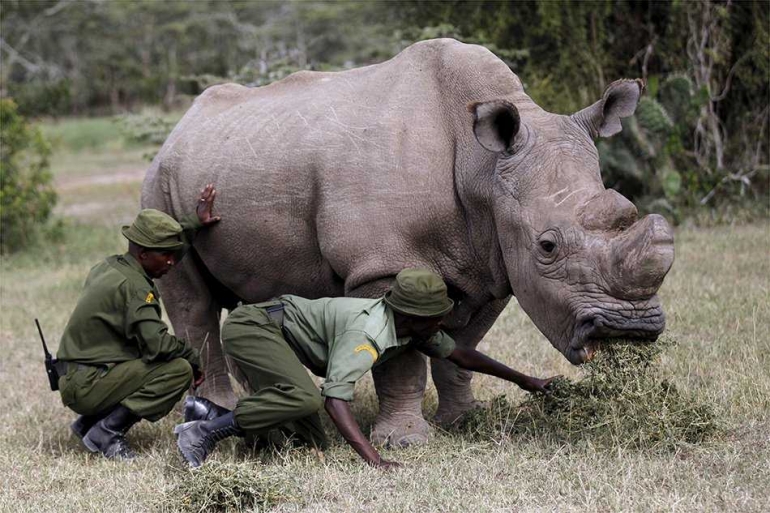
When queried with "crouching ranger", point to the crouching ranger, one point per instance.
{"points": [[339, 339], [122, 364]]}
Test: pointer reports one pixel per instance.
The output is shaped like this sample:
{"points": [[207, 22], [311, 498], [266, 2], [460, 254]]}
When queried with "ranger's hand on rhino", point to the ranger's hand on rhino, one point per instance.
{"points": [[206, 205]]}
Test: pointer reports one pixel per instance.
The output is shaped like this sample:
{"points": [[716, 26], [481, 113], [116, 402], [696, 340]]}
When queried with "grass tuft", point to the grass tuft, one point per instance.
{"points": [[223, 487], [623, 401]]}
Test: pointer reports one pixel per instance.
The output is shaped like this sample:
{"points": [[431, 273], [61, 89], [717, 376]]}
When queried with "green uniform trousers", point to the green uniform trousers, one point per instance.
{"points": [[285, 397], [149, 390]]}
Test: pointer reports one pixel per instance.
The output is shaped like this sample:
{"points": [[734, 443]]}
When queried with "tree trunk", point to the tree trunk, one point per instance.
{"points": [[170, 97]]}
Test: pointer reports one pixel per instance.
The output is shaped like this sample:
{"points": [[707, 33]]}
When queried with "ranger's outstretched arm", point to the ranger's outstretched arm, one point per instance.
{"points": [[340, 413], [472, 360]]}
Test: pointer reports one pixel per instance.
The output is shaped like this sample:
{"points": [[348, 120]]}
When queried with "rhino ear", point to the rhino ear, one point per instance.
{"points": [[602, 119], [495, 124]]}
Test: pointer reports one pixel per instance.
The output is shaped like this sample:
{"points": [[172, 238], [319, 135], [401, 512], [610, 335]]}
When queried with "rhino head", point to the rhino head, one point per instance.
{"points": [[581, 263]]}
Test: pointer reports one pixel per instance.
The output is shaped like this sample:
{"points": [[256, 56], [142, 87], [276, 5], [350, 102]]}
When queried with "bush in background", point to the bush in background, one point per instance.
{"points": [[27, 196], [697, 147], [41, 97], [648, 161]]}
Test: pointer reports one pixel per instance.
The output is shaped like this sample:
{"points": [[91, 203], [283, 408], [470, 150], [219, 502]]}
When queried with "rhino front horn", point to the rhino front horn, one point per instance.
{"points": [[641, 257]]}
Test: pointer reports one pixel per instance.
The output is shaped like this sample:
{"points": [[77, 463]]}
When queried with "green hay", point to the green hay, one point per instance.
{"points": [[621, 402], [224, 487]]}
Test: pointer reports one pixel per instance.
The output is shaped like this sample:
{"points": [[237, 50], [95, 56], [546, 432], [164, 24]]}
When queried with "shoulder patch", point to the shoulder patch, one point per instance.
{"points": [[150, 297], [369, 349]]}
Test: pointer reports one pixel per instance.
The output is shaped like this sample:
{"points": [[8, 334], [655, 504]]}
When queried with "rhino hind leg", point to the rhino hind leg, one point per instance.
{"points": [[194, 308]]}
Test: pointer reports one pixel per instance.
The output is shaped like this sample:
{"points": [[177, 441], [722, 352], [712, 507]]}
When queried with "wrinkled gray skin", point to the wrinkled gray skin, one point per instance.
{"points": [[330, 183]]}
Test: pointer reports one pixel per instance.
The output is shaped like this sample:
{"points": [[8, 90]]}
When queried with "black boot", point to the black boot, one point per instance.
{"points": [[200, 408], [85, 422], [108, 436], [197, 439]]}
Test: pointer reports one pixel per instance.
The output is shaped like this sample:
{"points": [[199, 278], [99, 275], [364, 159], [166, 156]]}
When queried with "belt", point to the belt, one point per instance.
{"points": [[65, 366], [275, 312]]}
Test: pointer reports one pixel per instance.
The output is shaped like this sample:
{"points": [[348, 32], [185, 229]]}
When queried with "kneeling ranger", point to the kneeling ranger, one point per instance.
{"points": [[122, 364], [340, 339]]}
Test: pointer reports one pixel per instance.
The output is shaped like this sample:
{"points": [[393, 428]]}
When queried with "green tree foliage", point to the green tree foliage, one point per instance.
{"points": [[647, 161], [706, 63], [698, 138], [26, 192], [112, 55]]}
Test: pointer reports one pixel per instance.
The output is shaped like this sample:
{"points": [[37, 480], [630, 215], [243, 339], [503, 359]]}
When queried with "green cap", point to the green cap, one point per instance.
{"points": [[153, 229], [419, 292]]}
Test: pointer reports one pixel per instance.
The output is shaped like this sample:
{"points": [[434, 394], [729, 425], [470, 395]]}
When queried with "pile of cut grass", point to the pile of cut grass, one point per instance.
{"points": [[623, 401], [224, 487]]}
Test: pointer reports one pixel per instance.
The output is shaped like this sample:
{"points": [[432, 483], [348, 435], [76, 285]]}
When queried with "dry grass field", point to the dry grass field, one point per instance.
{"points": [[718, 304]]}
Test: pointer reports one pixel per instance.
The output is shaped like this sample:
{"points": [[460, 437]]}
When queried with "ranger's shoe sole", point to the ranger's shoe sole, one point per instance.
{"points": [[180, 431], [89, 444]]}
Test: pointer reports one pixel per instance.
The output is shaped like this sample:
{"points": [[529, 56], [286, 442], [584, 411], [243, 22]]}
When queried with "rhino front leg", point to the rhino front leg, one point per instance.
{"points": [[400, 385], [195, 314], [453, 384]]}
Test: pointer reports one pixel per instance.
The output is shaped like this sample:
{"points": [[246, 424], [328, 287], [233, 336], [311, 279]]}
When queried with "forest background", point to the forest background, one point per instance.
{"points": [[697, 147]]}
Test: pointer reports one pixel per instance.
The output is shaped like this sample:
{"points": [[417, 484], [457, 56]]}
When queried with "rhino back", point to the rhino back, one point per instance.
{"points": [[330, 180]]}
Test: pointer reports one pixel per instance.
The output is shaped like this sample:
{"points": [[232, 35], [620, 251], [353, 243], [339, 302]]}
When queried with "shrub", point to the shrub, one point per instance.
{"points": [[27, 196], [42, 98], [146, 129]]}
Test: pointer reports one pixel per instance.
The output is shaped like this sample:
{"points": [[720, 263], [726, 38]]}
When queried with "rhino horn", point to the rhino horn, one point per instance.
{"points": [[495, 124], [602, 119], [640, 258], [608, 210]]}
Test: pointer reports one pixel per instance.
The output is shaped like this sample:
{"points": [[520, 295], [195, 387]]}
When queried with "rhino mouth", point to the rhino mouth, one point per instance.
{"points": [[596, 326]]}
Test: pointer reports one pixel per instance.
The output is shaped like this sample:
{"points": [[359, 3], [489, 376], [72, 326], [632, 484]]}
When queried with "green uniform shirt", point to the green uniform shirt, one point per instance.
{"points": [[118, 316], [342, 338]]}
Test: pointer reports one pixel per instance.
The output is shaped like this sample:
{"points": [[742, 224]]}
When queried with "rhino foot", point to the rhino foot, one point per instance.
{"points": [[401, 431], [446, 416]]}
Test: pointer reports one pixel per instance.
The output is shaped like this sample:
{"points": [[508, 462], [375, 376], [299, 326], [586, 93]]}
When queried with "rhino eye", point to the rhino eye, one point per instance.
{"points": [[547, 245]]}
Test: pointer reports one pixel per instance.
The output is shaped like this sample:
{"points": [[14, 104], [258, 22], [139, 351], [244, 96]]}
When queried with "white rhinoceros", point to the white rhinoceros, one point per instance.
{"points": [[330, 183]]}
